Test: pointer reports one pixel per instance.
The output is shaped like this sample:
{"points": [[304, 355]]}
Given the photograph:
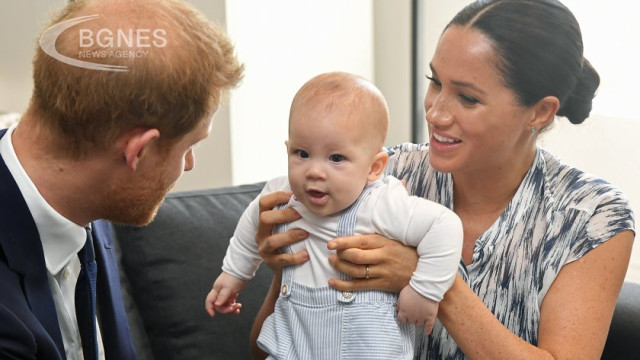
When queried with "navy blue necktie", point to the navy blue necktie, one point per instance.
{"points": [[86, 299]]}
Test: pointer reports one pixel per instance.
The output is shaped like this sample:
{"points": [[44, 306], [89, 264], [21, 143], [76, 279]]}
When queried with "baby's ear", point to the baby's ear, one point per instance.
{"points": [[379, 163]]}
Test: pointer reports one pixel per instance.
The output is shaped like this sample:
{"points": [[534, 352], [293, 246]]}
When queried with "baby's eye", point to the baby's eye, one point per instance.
{"points": [[301, 153], [336, 158]]}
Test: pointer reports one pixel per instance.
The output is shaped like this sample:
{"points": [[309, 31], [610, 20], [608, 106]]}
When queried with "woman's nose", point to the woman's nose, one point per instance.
{"points": [[437, 108]]}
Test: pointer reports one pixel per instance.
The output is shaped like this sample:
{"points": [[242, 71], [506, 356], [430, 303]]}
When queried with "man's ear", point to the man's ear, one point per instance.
{"points": [[136, 145], [544, 112], [379, 163]]}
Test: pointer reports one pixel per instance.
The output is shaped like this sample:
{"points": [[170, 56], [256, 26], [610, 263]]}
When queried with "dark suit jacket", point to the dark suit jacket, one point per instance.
{"points": [[29, 326]]}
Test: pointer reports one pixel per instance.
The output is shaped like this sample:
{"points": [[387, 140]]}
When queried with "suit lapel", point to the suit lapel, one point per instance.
{"points": [[21, 244], [116, 335]]}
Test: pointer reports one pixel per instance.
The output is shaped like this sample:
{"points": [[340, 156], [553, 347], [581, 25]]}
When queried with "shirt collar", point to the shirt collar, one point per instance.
{"points": [[61, 238]]}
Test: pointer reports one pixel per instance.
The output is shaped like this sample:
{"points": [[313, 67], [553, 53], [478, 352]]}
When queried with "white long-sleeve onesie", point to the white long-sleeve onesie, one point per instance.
{"points": [[387, 209]]}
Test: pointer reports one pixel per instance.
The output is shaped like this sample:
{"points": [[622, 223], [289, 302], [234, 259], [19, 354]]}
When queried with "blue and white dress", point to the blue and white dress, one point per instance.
{"points": [[558, 214]]}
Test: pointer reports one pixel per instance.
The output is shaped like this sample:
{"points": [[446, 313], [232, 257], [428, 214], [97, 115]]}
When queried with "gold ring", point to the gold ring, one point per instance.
{"points": [[366, 272]]}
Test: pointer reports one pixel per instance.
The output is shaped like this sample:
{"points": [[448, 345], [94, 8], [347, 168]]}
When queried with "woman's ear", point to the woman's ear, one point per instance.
{"points": [[379, 163], [136, 145], [544, 112]]}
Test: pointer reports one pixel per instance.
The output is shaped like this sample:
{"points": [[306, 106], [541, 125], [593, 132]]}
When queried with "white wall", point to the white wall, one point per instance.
{"points": [[213, 159], [20, 23], [286, 42], [283, 44], [392, 63]]}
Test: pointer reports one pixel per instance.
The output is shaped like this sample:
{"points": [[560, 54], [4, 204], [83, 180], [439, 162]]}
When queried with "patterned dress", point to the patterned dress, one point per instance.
{"points": [[558, 214]]}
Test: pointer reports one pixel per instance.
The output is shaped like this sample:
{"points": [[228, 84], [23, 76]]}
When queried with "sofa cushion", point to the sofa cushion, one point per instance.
{"points": [[170, 266], [623, 341]]}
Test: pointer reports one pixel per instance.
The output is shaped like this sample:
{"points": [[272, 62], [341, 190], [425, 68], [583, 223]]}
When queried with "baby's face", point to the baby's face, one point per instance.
{"points": [[330, 158]]}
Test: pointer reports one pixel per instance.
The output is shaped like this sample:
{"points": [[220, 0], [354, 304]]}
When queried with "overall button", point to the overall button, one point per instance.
{"points": [[284, 289], [347, 294]]}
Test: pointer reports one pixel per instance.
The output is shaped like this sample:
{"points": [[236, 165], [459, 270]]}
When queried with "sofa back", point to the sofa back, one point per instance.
{"points": [[169, 266]]}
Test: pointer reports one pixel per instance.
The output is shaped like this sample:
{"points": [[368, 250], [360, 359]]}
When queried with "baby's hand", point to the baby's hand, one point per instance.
{"points": [[416, 309], [223, 295]]}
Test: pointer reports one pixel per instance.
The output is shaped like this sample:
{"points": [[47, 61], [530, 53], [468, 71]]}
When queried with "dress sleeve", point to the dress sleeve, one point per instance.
{"points": [[612, 215]]}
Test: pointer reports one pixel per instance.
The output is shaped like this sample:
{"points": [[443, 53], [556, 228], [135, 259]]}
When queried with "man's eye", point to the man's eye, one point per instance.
{"points": [[301, 153], [336, 158]]}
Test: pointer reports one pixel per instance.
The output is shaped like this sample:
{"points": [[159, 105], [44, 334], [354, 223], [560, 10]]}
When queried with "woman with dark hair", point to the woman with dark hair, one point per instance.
{"points": [[546, 245]]}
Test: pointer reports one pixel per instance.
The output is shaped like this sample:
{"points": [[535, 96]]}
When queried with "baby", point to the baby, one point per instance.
{"points": [[337, 127]]}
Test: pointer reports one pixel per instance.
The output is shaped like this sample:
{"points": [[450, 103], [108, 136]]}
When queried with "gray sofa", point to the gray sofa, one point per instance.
{"points": [[169, 266]]}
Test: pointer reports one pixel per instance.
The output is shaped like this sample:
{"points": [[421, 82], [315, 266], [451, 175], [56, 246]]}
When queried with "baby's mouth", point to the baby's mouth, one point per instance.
{"points": [[317, 197]]}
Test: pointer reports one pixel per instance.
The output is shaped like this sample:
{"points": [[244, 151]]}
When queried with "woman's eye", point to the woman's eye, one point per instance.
{"points": [[302, 154], [469, 99], [336, 158], [433, 81]]}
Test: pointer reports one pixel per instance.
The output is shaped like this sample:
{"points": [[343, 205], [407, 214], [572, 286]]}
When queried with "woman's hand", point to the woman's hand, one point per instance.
{"points": [[268, 243], [390, 263]]}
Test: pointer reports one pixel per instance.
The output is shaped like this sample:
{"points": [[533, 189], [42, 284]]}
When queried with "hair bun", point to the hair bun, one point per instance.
{"points": [[578, 104]]}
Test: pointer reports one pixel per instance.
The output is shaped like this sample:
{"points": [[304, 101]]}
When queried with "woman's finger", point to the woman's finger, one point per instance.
{"points": [[346, 267], [277, 262], [376, 268], [390, 263], [362, 257], [273, 258], [363, 242], [272, 243], [268, 243], [271, 200], [379, 276], [363, 284], [273, 217], [269, 217]]}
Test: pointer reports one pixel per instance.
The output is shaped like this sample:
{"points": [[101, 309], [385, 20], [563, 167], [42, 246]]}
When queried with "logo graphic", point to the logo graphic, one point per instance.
{"points": [[137, 41]]}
